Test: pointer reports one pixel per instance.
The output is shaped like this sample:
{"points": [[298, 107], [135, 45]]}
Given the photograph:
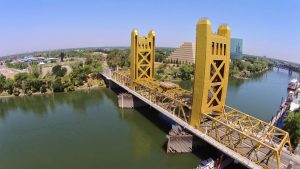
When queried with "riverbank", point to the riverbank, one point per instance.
{"points": [[245, 76], [81, 88]]}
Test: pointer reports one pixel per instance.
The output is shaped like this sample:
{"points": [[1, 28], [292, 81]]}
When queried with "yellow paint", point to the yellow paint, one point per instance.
{"points": [[242, 133], [142, 56], [211, 70]]}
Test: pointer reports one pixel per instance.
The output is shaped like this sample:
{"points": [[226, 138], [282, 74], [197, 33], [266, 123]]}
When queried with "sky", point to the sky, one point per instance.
{"points": [[268, 27]]}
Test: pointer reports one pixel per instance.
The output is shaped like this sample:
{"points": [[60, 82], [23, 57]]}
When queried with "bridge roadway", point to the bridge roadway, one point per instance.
{"points": [[210, 132]]}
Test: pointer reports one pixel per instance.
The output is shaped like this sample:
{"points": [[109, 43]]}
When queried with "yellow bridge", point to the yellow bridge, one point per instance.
{"points": [[203, 112]]}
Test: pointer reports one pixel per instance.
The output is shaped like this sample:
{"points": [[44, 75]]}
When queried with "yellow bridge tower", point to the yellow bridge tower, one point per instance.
{"points": [[211, 70], [142, 56]]}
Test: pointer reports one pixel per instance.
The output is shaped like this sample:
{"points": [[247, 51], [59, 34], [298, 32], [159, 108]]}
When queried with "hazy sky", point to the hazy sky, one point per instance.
{"points": [[268, 27]]}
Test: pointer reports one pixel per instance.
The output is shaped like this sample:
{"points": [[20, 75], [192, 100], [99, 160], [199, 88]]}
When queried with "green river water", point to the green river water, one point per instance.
{"points": [[87, 130]]}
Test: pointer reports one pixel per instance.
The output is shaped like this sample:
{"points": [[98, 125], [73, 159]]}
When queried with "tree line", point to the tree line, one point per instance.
{"points": [[248, 66]]}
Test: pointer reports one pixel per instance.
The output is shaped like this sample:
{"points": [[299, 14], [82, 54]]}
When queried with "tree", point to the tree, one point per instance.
{"points": [[9, 86], [35, 71], [20, 78], [94, 61], [16, 91], [118, 57], [2, 82], [186, 71], [57, 85], [36, 84], [174, 72], [292, 125], [59, 71], [241, 65], [62, 56]]}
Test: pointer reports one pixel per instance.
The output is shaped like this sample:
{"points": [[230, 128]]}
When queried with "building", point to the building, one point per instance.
{"points": [[236, 48], [184, 54]]}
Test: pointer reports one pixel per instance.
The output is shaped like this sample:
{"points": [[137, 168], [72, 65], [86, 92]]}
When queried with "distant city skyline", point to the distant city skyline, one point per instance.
{"points": [[268, 28]]}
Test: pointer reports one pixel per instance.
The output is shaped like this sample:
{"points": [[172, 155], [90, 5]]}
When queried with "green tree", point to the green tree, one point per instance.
{"points": [[2, 82], [174, 72], [161, 54], [118, 57], [59, 71], [20, 78], [241, 65], [9, 86], [16, 91], [292, 125], [62, 56], [79, 74], [57, 85], [35, 71], [186, 71], [36, 84]]}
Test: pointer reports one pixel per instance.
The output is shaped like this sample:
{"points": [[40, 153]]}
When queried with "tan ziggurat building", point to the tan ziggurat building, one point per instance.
{"points": [[184, 54]]}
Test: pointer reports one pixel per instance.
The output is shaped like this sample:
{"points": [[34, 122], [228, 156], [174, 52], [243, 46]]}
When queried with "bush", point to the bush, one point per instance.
{"points": [[292, 125], [43, 89], [16, 91], [2, 81], [28, 92], [59, 71], [186, 71], [71, 88], [101, 83], [9, 86], [58, 86], [21, 77], [19, 66], [118, 57]]}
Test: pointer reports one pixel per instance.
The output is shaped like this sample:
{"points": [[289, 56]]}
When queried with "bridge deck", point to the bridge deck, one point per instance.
{"points": [[250, 141]]}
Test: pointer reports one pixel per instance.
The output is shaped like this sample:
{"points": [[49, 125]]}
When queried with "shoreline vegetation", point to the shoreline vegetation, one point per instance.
{"points": [[5, 95], [84, 73], [247, 67], [81, 75], [244, 68]]}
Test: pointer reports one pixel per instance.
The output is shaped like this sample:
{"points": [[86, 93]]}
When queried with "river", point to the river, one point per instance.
{"points": [[87, 129]]}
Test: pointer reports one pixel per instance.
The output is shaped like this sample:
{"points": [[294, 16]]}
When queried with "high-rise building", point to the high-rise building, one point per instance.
{"points": [[236, 48]]}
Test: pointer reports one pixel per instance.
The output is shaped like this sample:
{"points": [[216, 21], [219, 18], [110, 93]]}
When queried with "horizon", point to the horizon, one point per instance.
{"points": [[267, 28], [41, 51]]}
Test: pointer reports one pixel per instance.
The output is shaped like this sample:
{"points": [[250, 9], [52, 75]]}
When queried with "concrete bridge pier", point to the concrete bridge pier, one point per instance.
{"points": [[126, 100], [181, 141]]}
